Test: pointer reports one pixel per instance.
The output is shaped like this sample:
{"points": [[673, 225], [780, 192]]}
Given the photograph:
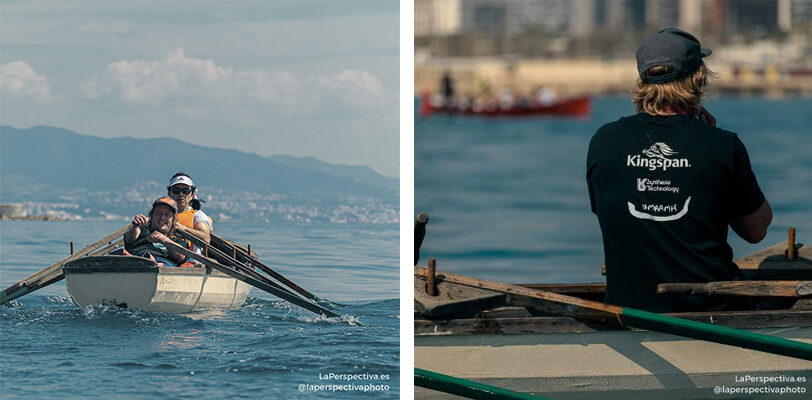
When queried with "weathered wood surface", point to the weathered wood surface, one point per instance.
{"points": [[741, 288], [504, 326], [773, 263], [568, 288], [453, 299], [522, 291], [484, 324], [803, 304]]}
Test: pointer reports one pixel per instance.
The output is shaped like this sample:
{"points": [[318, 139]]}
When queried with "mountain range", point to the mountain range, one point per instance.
{"points": [[50, 165]]}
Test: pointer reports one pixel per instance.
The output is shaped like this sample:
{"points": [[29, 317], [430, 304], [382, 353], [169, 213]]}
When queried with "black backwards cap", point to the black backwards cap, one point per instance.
{"points": [[673, 48]]}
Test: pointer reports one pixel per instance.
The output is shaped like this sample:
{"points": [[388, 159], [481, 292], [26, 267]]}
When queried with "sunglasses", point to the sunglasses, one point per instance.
{"points": [[177, 190]]}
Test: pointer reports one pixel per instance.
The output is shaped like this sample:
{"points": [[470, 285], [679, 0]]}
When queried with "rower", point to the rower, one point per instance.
{"points": [[666, 183], [183, 190]]}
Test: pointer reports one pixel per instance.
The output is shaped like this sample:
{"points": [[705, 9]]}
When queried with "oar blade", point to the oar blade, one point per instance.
{"points": [[53, 273]]}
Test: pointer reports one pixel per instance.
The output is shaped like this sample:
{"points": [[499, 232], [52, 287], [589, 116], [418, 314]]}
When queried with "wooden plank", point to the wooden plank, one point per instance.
{"points": [[522, 291], [453, 299], [741, 288], [550, 308], [568, 288], [543, 325], [631, 317], [773, 263], [803, 304], [505, 326], [752, 319]]}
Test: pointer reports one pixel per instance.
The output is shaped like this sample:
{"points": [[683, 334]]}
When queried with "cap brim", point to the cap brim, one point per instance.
{"points": [[705, 52]]}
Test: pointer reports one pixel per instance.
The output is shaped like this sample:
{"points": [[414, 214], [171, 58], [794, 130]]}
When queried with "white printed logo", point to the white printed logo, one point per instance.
{"points": [[659, 208], [655, 185], [657, 156]]}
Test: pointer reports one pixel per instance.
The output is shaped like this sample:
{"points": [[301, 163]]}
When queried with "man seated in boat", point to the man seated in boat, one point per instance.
{"points": [[146, 238], [666, 183], [183, 190]]}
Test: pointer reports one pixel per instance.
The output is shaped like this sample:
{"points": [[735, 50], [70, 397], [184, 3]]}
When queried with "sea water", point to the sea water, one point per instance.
{"points": [[507, 198], [50, 348]]}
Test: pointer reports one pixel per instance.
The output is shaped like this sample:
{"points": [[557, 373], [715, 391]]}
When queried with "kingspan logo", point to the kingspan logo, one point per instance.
{"points": [[657, 157]]}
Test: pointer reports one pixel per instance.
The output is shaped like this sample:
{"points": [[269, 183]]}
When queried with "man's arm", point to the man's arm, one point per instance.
{"points": [[753, 227], [178, 258], [133, 234], [200, 230]]}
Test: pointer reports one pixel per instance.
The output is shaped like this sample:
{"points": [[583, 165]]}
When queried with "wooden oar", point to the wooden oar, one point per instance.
{"points": [[53, 273], [222, 257], [646, 320], [315, 308], [741, 288], [224, 244]]}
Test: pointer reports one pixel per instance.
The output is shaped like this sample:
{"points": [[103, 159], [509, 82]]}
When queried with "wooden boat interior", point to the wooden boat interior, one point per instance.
{"points": [[780, 276]]}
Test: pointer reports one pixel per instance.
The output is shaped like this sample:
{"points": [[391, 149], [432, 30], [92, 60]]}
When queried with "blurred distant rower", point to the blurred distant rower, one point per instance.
{"points": [[183, 190], [665, 184]]}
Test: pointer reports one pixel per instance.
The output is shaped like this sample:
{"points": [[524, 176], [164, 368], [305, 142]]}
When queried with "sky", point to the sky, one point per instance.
{"points": [[301, 78]]}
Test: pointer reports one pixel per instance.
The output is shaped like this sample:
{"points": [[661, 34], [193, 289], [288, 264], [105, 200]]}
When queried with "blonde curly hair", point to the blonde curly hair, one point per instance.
{"points": [[682, 96]]}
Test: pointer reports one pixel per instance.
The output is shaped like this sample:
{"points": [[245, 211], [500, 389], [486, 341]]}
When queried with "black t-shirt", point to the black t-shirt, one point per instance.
{"points": [[664, 190]]}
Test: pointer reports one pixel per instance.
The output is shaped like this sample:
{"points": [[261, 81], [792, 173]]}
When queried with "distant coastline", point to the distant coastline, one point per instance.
{"points": [[595, 77], [14, 211], [33, 218]]}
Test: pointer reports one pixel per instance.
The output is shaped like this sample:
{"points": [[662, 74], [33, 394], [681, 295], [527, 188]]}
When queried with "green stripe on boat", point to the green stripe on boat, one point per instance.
{"points": [[716, 333], [464, 387]]}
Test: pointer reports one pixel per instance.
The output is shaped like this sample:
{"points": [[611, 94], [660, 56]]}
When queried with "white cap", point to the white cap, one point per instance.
{"points": [[181, 179]]}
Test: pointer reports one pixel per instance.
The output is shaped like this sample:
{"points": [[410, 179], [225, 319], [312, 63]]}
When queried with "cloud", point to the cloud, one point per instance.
{"points": [[197, 88], [115, 27], [21, 81]]}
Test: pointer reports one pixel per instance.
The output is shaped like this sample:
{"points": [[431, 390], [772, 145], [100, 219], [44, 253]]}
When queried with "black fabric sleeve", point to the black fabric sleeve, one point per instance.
{"points": [[590, 163], [746, 195]]}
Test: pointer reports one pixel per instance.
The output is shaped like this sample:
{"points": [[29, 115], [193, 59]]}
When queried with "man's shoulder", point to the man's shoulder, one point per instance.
{"points": [[611, 131], [201, 216], [621, 122], [620, 125], [717, 134]]}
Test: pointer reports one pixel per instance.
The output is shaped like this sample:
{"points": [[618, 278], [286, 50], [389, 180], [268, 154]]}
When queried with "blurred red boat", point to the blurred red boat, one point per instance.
{"points": [[571, 107]]}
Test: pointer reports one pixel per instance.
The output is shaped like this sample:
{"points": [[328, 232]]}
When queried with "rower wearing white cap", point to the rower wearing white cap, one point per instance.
{"points": [[183, 190]]}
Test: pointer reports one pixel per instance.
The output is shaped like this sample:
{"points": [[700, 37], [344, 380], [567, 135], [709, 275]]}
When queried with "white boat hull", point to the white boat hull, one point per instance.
{"points": [[135, 282]]}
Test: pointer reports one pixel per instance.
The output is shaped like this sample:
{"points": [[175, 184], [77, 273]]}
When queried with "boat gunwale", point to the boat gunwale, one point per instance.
{"points": [[117, 264]]}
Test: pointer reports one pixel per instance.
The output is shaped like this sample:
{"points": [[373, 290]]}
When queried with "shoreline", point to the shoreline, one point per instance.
{"points": [[595, 77], [33, 218]]}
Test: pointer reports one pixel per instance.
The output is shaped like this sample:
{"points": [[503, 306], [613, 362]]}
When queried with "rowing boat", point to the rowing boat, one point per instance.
{"points": [[135, 282], [572, 107], [535, 346]]}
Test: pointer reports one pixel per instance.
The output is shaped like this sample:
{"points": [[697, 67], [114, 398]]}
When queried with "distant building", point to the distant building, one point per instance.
{"points": [[504, 17], [10, 211], [604, 28]]}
